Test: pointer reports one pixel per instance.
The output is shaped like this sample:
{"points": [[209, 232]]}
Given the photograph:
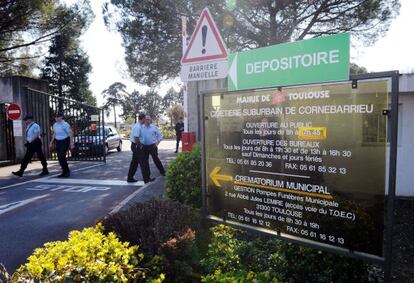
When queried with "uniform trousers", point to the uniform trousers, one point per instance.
{"points": [[138, 159], [152, 150], [62, 147], [32, 148]]}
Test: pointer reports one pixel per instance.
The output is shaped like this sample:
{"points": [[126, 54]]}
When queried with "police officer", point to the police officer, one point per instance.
{"points": [[179, 128], [62, 134], [33, 145], [138, 153], [150, 136]]}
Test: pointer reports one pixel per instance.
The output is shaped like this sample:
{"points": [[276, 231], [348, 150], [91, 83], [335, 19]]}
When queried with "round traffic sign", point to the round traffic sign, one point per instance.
{"points": [[14, 111]]}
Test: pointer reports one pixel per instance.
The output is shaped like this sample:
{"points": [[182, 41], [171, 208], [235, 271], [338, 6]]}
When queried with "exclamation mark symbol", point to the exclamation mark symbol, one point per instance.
{"points": [[203, 38]]}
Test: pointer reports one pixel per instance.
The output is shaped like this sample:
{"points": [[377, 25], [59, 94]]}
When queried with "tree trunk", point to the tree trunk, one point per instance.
{"points": [[115, 117]]}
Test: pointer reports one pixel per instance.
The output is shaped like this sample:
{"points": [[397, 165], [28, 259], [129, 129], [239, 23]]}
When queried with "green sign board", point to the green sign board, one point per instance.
{"points": [[316, 60], [305, 163]]}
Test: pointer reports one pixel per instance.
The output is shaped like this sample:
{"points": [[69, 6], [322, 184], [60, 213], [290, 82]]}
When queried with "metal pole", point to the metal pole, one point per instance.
{"points": [[184, 41], [102, 133], [392, 176], [203, 160]]}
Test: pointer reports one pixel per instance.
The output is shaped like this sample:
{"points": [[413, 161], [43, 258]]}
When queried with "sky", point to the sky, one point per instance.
{"points": [[394, 51]]}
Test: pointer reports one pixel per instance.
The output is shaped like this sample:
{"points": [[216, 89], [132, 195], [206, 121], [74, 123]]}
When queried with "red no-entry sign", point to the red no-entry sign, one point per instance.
{"points": [[14, 111]]}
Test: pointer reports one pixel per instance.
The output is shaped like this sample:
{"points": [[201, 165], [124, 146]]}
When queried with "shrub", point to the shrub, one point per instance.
{"points": [[183, 181], [165, 231], [167, 132], [241, 255], [87, 256], [222, 252], [151, 223], [240, 276]]}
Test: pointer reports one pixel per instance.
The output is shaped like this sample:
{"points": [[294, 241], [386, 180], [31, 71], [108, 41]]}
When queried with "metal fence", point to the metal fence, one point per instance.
{"points": [[86, 121]]}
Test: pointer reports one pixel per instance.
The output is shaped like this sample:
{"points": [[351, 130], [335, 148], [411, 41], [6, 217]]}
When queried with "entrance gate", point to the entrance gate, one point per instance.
{"points": [[86, 121]]}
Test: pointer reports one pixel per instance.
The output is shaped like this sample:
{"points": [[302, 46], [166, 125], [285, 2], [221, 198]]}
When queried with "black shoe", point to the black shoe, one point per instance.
{"points": [[163, 173], [64, 175], [18, 173], [44, 173], [176, 151], [149, 180], [132, 180]]}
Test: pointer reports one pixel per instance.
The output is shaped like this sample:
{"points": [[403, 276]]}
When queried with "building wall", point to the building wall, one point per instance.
{"points": [[405, 154], [13, 90]]}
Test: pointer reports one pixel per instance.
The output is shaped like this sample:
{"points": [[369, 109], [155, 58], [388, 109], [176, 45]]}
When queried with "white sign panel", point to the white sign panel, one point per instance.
{"points": [[17, 128], [204, 71]]}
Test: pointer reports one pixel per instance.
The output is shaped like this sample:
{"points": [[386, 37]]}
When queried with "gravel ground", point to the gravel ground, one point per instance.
{"points": [[403, 241]]}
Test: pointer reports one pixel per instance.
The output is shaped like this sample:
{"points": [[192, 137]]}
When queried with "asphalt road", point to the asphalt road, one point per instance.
{"points": [[36, 210]]}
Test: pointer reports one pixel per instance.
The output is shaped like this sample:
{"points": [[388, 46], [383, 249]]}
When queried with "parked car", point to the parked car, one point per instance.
{"points": [[97, 142]]}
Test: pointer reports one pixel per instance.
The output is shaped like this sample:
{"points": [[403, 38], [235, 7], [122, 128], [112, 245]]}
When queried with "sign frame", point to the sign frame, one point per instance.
{"points": [[205, 14], [386, 260]]}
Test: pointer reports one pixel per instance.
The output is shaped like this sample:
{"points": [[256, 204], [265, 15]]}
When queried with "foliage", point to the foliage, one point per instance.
{"points": [[183, 181], [131, 105], [178, 257], [165, 231], [354, 69], [67, 66], [136, 103], [236, 253], [223, 250], [87, 256], [152, 223], [114, 95], [167, 132], [125, 132], [172, 97], [175, 113], [239, 276], [26, 26], [151, 104], [150, 28]]}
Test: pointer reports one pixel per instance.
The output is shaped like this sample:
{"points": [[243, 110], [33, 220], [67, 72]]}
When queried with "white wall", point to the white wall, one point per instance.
{"points": [[405, 154]]}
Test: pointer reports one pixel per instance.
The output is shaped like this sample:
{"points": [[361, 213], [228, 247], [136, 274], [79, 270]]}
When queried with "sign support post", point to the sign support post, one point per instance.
{"points": [[392, 176], [184, 43]]}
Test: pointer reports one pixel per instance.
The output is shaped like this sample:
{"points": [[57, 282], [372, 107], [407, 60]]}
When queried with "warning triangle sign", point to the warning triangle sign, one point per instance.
{"points": [[206, 42]]}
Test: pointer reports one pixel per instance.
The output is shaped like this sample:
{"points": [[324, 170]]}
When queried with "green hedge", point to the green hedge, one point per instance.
{"points": [[244, 257], [183, 181]]}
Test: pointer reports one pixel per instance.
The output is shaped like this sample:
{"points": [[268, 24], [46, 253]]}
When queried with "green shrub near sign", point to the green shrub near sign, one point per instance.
{"points": [[183, 181], [246, 257]]}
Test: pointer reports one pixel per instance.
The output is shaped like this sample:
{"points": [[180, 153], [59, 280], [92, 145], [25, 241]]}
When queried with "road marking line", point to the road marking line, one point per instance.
{"points": [[128, 198], [68, 181], [36, 180], [10, 206]]}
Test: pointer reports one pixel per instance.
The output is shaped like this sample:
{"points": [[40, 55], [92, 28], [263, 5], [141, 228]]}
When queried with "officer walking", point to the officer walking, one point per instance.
{"points": [[138, 154], [33, 145], [179, 128], [62, 134], [150, 136]]}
